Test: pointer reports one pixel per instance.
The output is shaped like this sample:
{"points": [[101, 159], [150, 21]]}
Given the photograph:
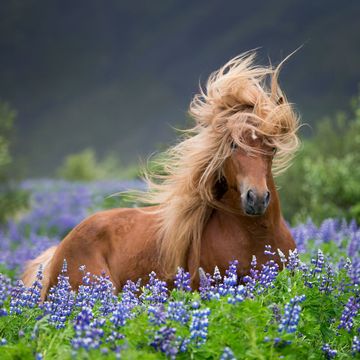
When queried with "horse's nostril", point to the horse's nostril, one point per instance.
{"points": [[250, 197], [267, 198]]}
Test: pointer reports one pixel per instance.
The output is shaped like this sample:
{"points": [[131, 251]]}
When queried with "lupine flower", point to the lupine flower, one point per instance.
{"points": [[199, 326], [155, 290], [105, 290], [268, 251], [5, 285], [328, 352], [283, 258], [16, 301], [88, 330], [251, 279], [121, 313], [355, 347], [227, 354], [205, 287], [239, 295], [129, 294], [32, 295], [167, 342], [291, 317], [182, 280], [157, 314], [217, 276], [60, 300], [293, 260], [350, 311], [177, 312], [268, 274], [3, 341], [327, 279], [231, 278], [318, 263]]}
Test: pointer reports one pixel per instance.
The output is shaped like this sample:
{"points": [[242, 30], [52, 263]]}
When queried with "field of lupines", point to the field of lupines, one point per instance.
{"points": [[307, 311]]}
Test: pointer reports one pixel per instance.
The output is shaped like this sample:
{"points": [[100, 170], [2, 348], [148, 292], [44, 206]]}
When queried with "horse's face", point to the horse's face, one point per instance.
{"points": [[249, 172]]}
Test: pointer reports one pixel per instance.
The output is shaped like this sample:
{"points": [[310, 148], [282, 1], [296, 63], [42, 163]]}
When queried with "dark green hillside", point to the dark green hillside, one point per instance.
{"points": [[115, 75]]}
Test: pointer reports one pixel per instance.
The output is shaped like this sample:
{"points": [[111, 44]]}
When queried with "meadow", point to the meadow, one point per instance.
{"points": [[306, 310]]}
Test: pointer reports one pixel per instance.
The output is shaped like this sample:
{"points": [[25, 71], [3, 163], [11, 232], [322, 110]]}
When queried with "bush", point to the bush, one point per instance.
{"points": [[325, 178], [84, 166], [11, 199]]}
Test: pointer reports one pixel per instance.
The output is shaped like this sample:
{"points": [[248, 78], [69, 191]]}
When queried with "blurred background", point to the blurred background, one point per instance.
{"points": [[88, 88]]}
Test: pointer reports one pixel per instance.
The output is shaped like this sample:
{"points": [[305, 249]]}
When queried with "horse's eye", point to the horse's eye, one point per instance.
{"points": [[274, 150], [234, 145]]}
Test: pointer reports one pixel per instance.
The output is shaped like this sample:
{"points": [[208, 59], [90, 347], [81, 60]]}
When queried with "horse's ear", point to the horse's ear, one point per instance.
{"points": [[220, 188]]}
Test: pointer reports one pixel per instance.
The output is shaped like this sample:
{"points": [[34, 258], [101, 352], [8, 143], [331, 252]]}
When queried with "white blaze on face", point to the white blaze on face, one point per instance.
{"points": [[253, 134]]}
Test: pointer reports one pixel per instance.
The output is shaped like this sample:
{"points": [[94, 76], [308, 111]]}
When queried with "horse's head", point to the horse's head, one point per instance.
{"points": [[248, 172]]}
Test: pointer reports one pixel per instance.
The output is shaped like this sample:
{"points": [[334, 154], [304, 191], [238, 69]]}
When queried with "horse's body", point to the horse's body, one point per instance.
{"points": [[218, 202], [123, 244]]}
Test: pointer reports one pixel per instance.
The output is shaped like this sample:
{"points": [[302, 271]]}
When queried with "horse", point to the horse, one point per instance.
{"points": [[214, 201]]}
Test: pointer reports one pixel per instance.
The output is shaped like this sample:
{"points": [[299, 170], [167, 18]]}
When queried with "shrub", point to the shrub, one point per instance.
{"points": [[324, 180]]}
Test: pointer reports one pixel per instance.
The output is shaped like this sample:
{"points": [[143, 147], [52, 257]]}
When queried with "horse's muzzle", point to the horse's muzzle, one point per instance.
{"points": [[255, 203]]}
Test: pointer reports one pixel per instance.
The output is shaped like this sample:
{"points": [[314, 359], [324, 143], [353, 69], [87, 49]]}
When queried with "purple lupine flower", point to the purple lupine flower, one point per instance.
{"points": [[157, 314], [239, 295], [199, 326], [121, 314], [318, 263], [227, 354], [350, 311], [32, 295], [3, 341], [251, 279], [231, 277], [60, 300], [166, 341], [217, 276], [156, 291], [328, 352], [293, 260], [291, 317], [327, 280], [16, 300], [355, 347], [5, 285], [182, 280], [177, 312], [88, 330], [282, 257], [354, 271], [268, 251], [129, 294], [105, 290], [354, 244], [205, 286], [85, 295], [267, 275]]}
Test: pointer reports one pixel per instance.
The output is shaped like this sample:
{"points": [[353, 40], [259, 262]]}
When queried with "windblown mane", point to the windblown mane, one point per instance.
{"points": [[238, 97]]}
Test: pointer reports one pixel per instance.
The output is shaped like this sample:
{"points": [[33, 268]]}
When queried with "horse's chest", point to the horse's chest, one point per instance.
{"points": [[226, 240]]}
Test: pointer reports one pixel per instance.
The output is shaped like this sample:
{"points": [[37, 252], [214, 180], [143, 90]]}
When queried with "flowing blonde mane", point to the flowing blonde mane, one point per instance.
{"points": [[237, 98]]}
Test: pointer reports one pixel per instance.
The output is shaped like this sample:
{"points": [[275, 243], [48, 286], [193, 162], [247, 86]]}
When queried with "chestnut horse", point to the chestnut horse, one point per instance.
{"points": [[216, 200]]}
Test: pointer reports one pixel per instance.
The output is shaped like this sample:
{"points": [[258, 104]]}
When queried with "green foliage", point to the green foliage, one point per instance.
{"points": [[7, 117], [84, 166], [11, 199], [244, 327], [324, 179]]}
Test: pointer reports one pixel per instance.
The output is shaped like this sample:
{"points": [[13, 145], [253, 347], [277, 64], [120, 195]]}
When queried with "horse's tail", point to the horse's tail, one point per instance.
{"points": [[32, 267]]}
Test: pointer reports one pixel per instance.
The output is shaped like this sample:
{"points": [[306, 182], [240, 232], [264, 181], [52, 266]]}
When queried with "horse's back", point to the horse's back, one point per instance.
{"points": [[111, 241]]}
